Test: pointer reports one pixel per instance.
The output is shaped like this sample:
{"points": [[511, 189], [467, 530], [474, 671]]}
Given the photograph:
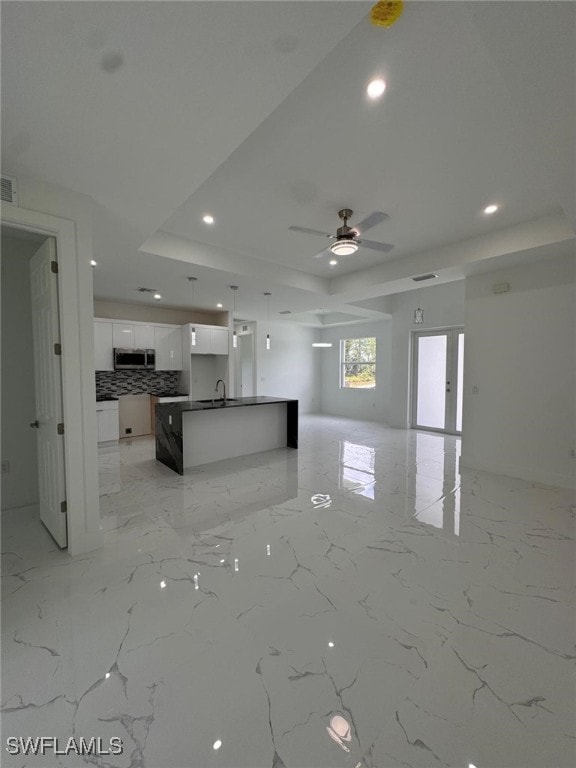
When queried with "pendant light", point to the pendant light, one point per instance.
{"points": [[418, 313], [267, 294], [234, 288], [193, 334]]}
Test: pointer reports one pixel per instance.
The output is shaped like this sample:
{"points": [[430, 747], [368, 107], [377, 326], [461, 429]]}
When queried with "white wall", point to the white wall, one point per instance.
{"points": [[20, 485], [443, 307], [290, 367], [368, 404], [520, 353], [118, 310]]}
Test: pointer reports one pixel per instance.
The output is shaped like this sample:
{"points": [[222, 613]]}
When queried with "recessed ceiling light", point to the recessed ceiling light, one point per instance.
{"points": [[217, 744], [157, 296], [376, 88], [208, 218], [333, 262], [490, 209], [219, 305], [93, 263]]}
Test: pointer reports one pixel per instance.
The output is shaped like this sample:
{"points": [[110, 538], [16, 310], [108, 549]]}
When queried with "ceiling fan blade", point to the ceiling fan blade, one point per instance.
{"points": [[371, 221], [323, 252], [311, 232], [373, 246]]}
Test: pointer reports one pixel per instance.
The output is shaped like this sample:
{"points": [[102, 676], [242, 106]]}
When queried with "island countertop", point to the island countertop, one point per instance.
{"points": [[217, 404], [188, 435]]}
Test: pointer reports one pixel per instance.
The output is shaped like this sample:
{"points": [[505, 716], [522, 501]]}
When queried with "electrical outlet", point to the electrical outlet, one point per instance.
{"points": [[572, 453], [5, 466], [475, 389]]}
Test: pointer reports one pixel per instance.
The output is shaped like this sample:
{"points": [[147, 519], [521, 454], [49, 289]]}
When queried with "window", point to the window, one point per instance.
{"points": [[358, 363]]}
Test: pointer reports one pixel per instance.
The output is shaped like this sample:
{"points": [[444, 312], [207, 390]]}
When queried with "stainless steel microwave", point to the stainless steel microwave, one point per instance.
{"points": [[134, 360]]}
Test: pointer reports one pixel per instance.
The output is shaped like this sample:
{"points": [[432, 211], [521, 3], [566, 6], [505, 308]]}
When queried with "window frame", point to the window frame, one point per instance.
{"points": [[343, 363]]}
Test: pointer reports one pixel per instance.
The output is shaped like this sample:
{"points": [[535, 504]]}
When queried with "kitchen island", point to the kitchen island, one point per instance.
{"points": [[192, 433]]}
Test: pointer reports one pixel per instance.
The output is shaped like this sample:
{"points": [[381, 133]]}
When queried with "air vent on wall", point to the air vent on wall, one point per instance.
{"points": [[285, 312], [423, 277], [146, 290], [9, 189]]}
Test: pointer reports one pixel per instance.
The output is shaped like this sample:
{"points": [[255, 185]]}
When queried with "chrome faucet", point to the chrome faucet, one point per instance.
{"points": [[223, 387]]}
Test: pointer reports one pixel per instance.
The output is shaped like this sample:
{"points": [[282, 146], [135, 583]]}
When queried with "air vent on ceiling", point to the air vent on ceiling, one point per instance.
{"points": [[146, 290], [9, 189], [423, 277], [285, 312]]}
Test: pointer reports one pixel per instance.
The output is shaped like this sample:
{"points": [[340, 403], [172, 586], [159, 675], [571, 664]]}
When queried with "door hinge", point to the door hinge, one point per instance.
{"points": [[54, 267], [63, 506], [57, 349], [60, 428]]}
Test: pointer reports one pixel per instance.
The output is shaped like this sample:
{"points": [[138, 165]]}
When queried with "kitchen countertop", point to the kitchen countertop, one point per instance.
{"points": [[195, 405], [106, 399], [168, 394]]}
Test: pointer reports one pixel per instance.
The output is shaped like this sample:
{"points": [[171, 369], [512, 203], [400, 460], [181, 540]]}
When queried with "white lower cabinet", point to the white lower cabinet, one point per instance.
{"points": [[108, 425]]}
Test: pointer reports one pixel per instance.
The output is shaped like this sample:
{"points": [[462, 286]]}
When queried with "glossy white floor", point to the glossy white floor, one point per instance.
{"points": [[353, 603]]}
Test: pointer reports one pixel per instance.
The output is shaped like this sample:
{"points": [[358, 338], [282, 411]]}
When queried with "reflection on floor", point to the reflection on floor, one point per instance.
{"points": [[355, 603]]}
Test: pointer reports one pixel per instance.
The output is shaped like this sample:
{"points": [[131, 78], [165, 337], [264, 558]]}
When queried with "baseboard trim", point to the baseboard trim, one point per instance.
{"points": [[523, 473]]}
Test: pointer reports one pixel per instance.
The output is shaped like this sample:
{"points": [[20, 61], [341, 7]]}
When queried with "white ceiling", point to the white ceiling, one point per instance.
{"points": [[256, 112]]}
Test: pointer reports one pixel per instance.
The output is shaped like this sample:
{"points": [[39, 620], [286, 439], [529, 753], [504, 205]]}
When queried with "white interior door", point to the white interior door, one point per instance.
{"points": [[438, 366], [48, 382]]}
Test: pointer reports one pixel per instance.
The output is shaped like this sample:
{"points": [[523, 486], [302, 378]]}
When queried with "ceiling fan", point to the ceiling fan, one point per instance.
{"points": [[348, 239]]}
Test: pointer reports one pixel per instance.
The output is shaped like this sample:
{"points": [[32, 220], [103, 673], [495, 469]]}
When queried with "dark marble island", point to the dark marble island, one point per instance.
{"points": [[192, 433]]}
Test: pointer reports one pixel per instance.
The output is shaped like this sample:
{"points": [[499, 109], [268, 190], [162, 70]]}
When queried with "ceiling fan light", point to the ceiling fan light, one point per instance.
{"points": [[344, 247]]}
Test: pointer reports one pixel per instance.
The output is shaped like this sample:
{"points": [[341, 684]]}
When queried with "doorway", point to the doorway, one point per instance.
{"points": [[245, 366], [33, 465], [437, 378]]}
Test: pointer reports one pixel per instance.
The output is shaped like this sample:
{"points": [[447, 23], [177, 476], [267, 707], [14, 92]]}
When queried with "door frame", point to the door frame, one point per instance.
{"points": [[78, 384], [451, 370]]}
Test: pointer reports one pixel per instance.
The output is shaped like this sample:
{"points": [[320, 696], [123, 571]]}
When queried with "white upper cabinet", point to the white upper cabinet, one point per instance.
{"points": [[168, 345], [219, 341], [202, 346], [209, 340], [123, 335], [144, 337], [103, 346]]}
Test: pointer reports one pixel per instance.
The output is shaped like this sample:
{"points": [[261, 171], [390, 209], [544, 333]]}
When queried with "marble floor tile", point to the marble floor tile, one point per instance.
{"points": [[357, 603]]}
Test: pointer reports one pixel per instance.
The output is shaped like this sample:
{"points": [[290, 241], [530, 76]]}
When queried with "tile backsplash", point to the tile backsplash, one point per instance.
{"points": [[116, 383]]}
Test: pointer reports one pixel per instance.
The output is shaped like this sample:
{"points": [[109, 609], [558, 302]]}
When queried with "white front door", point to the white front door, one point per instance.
{"points": [[438, 367], [48, 383]]}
